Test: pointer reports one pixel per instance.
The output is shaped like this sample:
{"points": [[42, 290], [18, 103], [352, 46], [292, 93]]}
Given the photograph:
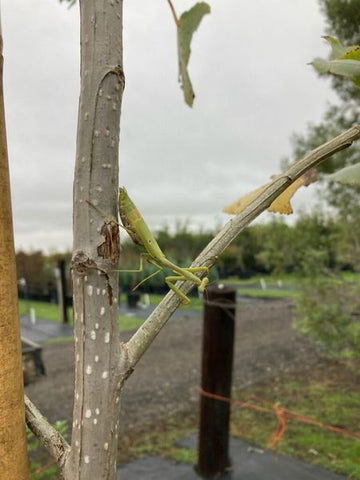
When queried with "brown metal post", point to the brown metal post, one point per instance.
{"points": [[61, 282], [217, 361]]}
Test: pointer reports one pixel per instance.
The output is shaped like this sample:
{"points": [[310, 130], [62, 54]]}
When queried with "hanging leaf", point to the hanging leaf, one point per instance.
{"points": [[281, 204], [348, 175], [244, 201], [345, 61], [187, 25]]}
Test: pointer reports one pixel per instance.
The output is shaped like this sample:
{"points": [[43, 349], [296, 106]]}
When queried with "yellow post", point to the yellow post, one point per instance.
{"points": [[13, 454]]}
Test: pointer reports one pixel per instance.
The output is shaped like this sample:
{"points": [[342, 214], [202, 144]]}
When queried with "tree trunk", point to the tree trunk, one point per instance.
{"points": [[13, 455], [99, 356], [102, 363]]}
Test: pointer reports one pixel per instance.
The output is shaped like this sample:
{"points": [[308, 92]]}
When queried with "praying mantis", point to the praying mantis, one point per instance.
{"points": [[139, 232]]}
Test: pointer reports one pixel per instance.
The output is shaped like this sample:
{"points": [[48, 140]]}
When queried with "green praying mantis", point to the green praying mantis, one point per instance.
{"points": [[139, 232]]}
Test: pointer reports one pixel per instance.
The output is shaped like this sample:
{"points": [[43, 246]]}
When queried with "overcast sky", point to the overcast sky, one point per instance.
{"points": [[253, 90]]}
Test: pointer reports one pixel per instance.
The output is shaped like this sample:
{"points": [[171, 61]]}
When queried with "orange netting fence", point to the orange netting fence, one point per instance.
{"points": [[283, 415]]}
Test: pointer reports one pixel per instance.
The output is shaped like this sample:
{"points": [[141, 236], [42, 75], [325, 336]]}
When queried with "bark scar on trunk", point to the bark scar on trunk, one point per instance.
{"points": [[120, 74], [109, 248], [81, 264]]}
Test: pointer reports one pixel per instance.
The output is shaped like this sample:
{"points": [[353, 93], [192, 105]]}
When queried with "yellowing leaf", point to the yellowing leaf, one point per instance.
{"points": [[281, 204], [244, 201]]}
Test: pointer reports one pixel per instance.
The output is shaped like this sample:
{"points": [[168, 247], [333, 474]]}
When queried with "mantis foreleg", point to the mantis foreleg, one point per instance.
{"points": [[141, 269], [141, 265]]}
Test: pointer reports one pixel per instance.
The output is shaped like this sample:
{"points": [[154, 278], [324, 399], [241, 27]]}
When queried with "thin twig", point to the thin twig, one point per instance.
{"points": [[50, 438], [173, 12], [145, 335]]}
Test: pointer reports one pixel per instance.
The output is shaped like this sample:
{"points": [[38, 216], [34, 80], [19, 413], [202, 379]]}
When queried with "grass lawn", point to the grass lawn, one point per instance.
{"points": [[286, 279], [317, 398], [329, 393], [268, 293], [50, 311]]}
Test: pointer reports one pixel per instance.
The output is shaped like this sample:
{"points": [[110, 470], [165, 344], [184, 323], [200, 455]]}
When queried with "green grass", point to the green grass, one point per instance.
{"points": [[287, 279], [350, 276], [268, 293], [160, 439], [319, 400], [50, 311], [127, 323], [322, 395], [251, 287]]}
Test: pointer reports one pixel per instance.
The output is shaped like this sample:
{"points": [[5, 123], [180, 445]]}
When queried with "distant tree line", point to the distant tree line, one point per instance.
{"points": [[272, 247], [36, 274]]}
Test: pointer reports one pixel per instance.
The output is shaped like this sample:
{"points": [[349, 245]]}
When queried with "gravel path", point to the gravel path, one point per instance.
{"points": [[166, 380]]}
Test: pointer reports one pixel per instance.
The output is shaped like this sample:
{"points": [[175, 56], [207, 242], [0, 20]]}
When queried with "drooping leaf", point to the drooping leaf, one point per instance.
{"points": [[240, 204], [349, 175], [188, 24], [281, 204]]}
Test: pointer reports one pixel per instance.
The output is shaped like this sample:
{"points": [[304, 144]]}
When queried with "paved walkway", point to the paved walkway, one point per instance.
{"points": [[248, 463], [43, 330]]}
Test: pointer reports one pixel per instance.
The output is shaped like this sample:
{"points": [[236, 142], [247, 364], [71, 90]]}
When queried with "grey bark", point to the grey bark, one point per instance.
{"points": [[99, 357]]}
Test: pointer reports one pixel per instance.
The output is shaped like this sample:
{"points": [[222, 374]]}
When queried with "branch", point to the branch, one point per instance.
{"points": [[145, 335], [48, 436]]}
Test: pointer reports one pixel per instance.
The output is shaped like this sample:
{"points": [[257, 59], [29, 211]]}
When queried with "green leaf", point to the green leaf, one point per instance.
{"points": [[346, 68], [337, 49], [188, 24], [345, 61], [348, 175], [352, 53]]}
